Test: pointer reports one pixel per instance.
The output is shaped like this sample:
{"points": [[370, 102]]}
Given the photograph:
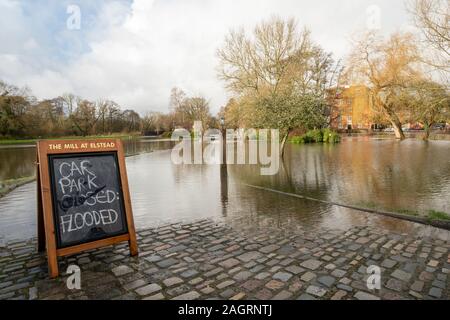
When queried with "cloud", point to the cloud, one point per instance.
{"points": [[135, 52]]}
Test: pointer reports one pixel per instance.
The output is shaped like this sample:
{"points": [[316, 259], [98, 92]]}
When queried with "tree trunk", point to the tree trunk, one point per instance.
{"points": [[283, 144], [427, 131], [398, 130], [394, 120]]}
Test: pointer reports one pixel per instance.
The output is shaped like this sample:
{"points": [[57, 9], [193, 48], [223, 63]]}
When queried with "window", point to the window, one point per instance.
{"points": [[349, 120]]}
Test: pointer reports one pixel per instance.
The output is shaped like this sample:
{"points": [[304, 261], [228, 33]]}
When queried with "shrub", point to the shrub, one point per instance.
{"points": [[317, 136], [334, 137], [297, 140], [326, 135]]}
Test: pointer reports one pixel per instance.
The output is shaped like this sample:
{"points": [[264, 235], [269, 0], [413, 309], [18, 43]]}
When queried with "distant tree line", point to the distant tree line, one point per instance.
{"points": [[24, 116]]}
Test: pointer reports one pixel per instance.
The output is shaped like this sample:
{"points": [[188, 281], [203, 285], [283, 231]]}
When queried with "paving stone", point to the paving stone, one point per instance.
{"points": [[158, 296], [401, 275], [84, 260], [326, 281], [243, 275], [225, 284], [207, 290], [417, 286], [148, 289], [153, 258], [311, 264], [339, 295], [172, 281], [274, 285], [354, 247], [439, 284], [32, 293], [192, 295], [121, 270], [135, 284], [251, 285], [213, 272], [229, 263], [415, 294], [5, 284], [167, 263], [388, 263], [344, 287], [425, 276], [316, 291], [435, 292], [257, 268], [262, 275], [306, 296], [248, 256], [228, 293], [394, 284], [362, 240], [442, 277], [264, 294], [296, 286], [433, 263], [360, 295], [295, 269], [338, 273], [189, 273], [269, 248], [283, 295], [239, 296], [282, 276], [308, 276]]}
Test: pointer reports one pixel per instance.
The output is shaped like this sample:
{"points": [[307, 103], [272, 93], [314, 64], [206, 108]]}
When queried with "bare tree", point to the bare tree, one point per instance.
{"points": [[387, 67], [279, 73], [266, 61], [84, 117], [429, 103], [433, 18]]}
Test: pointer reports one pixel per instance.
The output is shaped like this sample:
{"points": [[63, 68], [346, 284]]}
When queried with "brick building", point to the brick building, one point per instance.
{"points": [[353, 109]]}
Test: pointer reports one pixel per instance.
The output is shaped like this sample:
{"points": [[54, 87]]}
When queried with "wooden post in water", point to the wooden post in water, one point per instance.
{"points": [[224, 170]]}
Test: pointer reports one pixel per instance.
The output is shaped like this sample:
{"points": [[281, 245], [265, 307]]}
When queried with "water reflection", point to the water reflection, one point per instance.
{"points": [[408, 175], [17, 161]]}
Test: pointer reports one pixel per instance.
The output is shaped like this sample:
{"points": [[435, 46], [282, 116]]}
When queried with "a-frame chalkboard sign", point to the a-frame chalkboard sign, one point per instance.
{"points": [[83, 197]]}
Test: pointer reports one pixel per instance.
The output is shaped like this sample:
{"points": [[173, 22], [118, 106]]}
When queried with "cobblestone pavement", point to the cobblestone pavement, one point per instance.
{"points": [[205, 260]]}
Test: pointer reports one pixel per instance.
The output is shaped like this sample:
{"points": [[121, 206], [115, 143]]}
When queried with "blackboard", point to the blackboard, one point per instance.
{"points": [[83, 199], [87, 197]]}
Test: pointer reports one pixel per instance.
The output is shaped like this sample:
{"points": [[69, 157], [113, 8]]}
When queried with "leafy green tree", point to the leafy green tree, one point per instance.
{"points": [[278, 74]]}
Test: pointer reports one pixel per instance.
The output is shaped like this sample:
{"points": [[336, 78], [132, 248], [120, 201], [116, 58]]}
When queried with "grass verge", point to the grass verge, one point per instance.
{"points": [[7, 186], [28, 141]]}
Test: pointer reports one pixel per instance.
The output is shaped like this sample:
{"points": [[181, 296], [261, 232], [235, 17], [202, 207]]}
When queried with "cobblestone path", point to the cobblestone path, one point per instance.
{"points": [[204, 260]]}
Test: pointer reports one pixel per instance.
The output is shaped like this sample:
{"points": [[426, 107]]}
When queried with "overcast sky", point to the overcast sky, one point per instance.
{"points": [[134, 52]]}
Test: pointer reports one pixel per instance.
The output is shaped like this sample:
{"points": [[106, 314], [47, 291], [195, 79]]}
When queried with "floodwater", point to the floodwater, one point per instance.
{"points": [[362, 171]]}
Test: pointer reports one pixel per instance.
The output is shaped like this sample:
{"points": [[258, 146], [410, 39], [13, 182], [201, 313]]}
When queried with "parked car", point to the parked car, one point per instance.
{"points": [[416, 127], [388, 130], [212, 137], [438, 126]]}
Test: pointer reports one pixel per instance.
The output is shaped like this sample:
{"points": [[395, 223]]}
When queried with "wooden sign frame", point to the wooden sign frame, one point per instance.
{"points": [[45, 213]]}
